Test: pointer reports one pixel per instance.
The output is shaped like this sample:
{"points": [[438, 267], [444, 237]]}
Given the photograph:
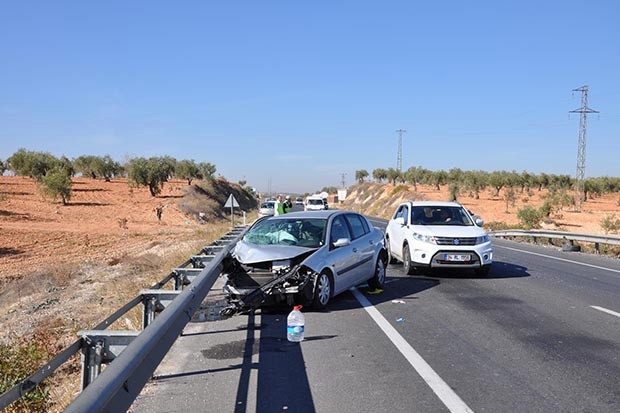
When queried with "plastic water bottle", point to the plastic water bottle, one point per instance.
{"points": [[295, 325]]}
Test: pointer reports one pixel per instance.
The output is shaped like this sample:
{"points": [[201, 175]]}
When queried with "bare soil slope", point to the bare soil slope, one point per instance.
{"points": [[62, 260], [382, 199]]}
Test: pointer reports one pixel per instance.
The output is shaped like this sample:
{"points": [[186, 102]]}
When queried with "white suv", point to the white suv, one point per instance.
{"points": [[426, 235], [315, 204]]}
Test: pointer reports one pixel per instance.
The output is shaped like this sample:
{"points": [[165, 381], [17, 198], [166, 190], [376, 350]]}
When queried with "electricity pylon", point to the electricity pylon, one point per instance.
{"points": [[581, 147]]}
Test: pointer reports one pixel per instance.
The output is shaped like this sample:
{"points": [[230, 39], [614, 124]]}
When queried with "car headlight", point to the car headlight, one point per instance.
{"points": [[425, 238], [483, 239]]}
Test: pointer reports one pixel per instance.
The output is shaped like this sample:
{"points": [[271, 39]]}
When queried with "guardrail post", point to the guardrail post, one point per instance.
{"points": [[155, 301], [101, 347], [184, 276], [92, 355], [597, 248]]}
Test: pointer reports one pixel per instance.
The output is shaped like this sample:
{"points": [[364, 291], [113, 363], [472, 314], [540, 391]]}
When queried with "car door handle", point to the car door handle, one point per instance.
{"points": [[354, 249]]}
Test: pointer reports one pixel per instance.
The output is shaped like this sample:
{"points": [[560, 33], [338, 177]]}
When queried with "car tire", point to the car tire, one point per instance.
{"points": [[391, 259], [322, 291], [378, 279], [408, 266]]}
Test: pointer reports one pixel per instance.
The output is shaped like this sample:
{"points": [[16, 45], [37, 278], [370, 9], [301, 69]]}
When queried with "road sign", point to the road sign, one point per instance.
{"points": [[231, 202]]}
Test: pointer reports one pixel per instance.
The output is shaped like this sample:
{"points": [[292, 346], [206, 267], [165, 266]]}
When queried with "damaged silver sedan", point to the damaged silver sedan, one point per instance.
{"points": [[304, 258]]}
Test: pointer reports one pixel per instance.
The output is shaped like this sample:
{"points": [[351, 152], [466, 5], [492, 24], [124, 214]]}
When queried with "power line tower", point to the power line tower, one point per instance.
{"points": [[343, 175], [399, 159], [581, 148]]}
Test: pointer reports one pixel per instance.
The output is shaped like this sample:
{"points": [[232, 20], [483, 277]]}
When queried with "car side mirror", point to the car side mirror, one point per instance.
{"points": [[400, 220], [342, 242], [479, 222]]}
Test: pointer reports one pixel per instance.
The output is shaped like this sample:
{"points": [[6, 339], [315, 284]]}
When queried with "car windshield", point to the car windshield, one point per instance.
{"points": [[288, 231], [315, 202], [267, 204], [440, 215]]}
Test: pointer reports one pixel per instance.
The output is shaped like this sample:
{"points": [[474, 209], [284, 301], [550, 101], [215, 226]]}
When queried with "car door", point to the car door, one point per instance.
{"points": [[397, 231], [343, 260], [364, 245]]}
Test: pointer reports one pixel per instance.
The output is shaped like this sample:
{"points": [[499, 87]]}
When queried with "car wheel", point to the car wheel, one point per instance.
{"points": [[378, 279], [407, 264], [483, 271], [391, 259], [322, 291]]}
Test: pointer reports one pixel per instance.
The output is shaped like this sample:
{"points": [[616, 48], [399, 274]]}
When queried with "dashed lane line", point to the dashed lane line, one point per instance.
{"points": [[605, 310]]}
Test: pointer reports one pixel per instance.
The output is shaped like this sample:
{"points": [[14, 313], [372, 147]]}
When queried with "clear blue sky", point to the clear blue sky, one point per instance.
{"points": [[291, 95]]}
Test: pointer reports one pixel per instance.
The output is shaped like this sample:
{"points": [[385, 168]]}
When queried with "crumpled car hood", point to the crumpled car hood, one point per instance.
{"points": [[247, 253]]}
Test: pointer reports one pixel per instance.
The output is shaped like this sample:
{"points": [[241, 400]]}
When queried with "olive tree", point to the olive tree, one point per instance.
{"points": [[152, 172], [188, 170], [56, 184], [361, 175], [207, 170]]}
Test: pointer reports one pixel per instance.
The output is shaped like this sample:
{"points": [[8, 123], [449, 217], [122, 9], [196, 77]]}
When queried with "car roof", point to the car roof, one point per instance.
{"points": [[324, 213], [434, 203]]}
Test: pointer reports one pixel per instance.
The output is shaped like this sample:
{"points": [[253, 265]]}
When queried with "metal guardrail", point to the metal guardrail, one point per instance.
{"points": [[136, 355], [568, 236]]}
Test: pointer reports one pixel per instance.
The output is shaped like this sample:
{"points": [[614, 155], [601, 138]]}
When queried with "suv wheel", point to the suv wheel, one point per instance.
{"points": [[407, 264]]}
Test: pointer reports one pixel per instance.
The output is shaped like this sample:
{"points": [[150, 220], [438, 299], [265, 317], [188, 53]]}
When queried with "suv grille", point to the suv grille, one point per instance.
{"points": [[456, 241]]}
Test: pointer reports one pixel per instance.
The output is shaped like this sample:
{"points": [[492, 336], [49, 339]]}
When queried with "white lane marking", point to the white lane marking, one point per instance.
{"points": [[559, 259], [605, 310], [448, 397]]}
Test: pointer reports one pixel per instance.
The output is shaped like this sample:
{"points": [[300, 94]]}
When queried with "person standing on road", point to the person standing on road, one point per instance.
{"points": [[278, 207], [287, 205]]}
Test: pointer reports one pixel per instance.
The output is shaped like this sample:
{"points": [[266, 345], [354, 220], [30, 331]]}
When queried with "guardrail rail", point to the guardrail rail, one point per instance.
{"points": [[569, 237]]}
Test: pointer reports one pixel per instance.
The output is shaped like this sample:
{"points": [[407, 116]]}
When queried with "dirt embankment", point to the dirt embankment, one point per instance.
{"points": [[74, 264], [382, 199]]}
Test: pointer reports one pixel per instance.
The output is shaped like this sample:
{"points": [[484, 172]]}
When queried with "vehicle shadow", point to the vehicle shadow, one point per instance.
{"points": [[404, 287], [499, 270]]}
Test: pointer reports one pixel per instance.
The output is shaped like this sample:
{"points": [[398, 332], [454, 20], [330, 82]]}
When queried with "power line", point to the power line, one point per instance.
{"points": [[581, 146], [399, 159]]}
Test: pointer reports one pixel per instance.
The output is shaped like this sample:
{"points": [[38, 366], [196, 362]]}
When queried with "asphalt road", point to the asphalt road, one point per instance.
{"points": [[540, 334]]}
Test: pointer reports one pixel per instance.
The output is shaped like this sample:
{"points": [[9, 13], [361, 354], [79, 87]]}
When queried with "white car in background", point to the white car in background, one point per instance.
{"points": [[314, 204], [266, 209], [427, 235]]}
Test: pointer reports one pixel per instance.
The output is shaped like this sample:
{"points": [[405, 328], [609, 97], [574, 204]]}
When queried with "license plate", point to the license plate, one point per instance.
{"points": [[457, 257]]}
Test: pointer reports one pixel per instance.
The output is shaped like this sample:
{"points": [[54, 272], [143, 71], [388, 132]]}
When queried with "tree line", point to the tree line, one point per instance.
{"points": [[53, 175], [476, 181]]}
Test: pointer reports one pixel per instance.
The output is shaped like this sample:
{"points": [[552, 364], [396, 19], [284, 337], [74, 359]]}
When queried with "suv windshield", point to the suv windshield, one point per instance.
{"points": [[440, 215]]}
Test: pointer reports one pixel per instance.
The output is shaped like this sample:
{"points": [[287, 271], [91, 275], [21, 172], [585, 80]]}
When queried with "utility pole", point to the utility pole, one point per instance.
{"points": [[399, 159], [343, 181], [581, 147]]}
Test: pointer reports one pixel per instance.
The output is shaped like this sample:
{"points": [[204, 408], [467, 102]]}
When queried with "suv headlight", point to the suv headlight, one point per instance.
{"points": [[425, 238], [483, 239]]}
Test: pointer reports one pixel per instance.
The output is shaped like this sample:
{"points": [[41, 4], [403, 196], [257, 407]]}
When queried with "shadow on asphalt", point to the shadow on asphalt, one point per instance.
{"points": [[282, 379]]}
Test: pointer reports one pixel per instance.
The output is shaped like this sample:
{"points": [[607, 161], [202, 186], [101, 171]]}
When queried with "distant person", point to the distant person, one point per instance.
{"points": [[287, 205], [278, 207], [159, 210]]}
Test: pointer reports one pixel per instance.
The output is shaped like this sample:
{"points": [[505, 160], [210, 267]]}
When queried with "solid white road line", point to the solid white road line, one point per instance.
{"points": [[559, 259], [605, 310], [447, 396]]}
